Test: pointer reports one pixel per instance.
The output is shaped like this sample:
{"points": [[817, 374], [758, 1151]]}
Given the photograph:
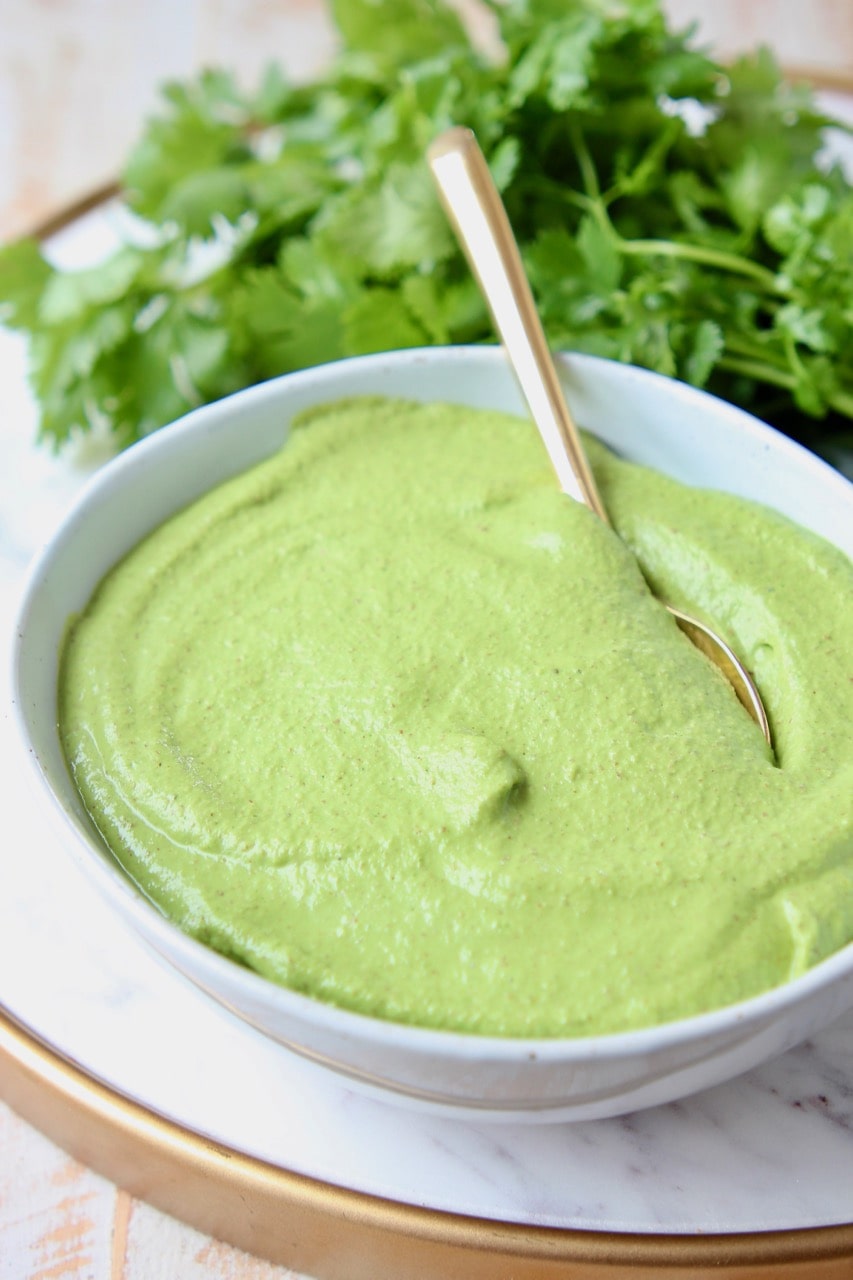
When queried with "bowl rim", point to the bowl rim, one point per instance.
{"points": [[113, 881]]}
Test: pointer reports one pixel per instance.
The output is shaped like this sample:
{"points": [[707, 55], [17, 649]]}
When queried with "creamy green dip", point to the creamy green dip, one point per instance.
{"points": [[395, 723]]}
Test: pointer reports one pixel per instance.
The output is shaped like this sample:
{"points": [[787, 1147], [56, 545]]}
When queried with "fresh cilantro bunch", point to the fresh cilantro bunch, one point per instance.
{"points": [[670, 212]]}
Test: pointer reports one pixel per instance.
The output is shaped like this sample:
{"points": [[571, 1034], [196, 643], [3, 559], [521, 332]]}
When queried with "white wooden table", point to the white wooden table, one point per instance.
{"points": [[58, 1220], [76, 79]]}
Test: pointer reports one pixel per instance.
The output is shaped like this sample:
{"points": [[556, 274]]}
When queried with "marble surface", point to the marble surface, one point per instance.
{"points": [[771, 1150]]}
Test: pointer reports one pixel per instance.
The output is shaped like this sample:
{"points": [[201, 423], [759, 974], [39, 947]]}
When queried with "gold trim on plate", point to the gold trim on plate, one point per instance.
{"points": [[336, 1233], [53, 223], [827, 79]]}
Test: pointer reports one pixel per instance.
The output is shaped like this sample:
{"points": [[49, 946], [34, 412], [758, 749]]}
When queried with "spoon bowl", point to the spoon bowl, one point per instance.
{"points": [[478, 217]]}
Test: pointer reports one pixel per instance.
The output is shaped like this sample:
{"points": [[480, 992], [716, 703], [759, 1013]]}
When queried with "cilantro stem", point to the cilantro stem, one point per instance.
{"points": [[762, 371], [587, 168], [793, 355], [743, 347], [707, 257], [842, 402], [718, 258], [558, 193]]}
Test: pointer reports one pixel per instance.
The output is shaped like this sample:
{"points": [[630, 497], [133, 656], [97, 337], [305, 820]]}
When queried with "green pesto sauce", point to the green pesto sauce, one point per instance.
{"points": [[395, 723]]}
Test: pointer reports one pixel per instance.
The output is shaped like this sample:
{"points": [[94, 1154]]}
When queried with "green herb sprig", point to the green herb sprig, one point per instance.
{"points": [[671, 213]]}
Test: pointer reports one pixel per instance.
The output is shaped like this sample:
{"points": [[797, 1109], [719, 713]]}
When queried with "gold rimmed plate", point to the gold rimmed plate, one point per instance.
{"points": [[336, 1232]]}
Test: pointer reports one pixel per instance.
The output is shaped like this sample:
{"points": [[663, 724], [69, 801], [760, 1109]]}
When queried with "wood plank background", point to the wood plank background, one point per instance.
{"points": [[76, 79], [60, 1221]]}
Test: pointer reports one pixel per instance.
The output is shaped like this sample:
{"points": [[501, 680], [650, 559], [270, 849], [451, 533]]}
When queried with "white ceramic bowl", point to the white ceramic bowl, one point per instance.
{"points": [[645, 417]]}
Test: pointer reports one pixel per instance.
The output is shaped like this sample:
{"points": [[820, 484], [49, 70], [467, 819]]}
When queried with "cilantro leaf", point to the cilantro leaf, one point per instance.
{"points": [[392, 224], [24, 274], [398, 31]]}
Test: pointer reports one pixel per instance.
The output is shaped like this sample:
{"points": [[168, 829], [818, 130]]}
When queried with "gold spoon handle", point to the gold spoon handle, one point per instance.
{"points": [[477, 214]]}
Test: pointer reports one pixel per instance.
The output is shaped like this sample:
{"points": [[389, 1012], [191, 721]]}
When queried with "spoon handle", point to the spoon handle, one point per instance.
{"points": [[477, 214]]}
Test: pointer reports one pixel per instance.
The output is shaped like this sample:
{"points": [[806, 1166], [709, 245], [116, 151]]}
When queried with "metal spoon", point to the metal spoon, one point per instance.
{"points": [[477, 214]]}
